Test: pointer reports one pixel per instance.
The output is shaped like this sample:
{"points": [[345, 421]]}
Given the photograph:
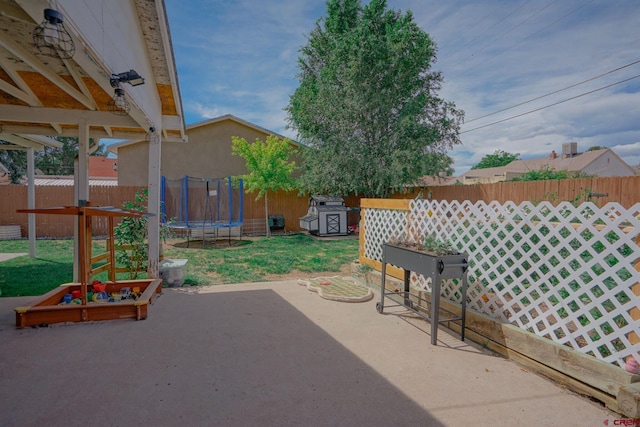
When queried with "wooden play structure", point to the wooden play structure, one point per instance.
{"points": [[50, 308]]}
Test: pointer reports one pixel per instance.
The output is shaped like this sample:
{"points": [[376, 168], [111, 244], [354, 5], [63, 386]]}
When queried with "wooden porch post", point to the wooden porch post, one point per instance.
{"points": [[154, 205], [81, 193], [31, 200]]}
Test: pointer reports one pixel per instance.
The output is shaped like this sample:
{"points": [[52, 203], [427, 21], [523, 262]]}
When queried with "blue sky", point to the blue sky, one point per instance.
{"points": [[240, 57]]}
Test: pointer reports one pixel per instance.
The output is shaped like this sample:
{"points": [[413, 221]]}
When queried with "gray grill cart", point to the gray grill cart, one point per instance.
{"points": [[435, 267], [326, 216]]}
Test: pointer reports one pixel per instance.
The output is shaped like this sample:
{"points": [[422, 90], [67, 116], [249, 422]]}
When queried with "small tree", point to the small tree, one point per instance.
{"points": [[497, 159], [268, 166]]}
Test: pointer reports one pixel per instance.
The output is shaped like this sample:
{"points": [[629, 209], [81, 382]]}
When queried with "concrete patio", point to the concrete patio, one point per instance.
{"points": [[267, 354]]}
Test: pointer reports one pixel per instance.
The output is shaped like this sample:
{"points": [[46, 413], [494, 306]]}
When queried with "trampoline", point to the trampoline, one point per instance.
{"points": [[203, 207]]}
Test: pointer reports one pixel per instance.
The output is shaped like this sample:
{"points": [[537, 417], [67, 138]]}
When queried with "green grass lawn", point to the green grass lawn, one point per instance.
{"points": [[248, 260]]}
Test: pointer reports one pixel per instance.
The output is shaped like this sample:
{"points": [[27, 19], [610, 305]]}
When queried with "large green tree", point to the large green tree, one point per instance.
{"points": [[269, 166], [59, 161], [367, 108], [496, 159], [15, 161]]}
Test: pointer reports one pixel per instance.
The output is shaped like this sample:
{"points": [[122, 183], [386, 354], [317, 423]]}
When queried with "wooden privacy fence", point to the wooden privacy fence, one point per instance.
{"points": [[622, 190], [14, 197]]}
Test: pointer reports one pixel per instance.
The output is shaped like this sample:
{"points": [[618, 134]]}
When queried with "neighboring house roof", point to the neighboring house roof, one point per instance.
{"points": [[434, 181], [581, 162], [113, 148], [237, 120], [502, 171], [68, 181], [574, 164]]}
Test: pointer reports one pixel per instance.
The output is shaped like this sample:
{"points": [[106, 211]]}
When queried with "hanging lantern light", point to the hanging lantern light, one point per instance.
{"points": [[153, 137], [52, 38], [119, 104]]}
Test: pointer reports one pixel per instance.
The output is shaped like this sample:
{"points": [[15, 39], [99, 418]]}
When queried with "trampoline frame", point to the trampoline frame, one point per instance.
{"points": [[185, 223]]}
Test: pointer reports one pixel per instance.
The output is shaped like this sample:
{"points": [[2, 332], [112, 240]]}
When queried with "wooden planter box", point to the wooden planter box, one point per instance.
{"points": [[47, 309]]}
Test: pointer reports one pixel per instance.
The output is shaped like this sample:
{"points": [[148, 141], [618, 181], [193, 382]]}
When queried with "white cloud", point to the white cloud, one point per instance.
{"points": [[240, 58]]}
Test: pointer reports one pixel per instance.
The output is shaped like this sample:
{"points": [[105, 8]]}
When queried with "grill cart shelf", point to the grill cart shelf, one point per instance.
{"points": [[435, 267], [48, 309]]}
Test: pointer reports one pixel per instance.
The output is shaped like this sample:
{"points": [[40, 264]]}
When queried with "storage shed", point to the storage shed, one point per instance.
{"points": [[326, 216]]}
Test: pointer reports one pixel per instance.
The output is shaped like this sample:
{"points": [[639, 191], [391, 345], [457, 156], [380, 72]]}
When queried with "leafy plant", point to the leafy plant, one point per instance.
{"points": [[437, 246], [430, 243], [131, 236]]}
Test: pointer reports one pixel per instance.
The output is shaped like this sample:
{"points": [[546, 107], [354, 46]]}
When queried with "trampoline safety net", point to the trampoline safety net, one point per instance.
{"points": [[202, 203]]}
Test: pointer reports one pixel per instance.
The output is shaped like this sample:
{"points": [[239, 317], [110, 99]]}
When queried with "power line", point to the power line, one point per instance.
{"points": [[519, 24], [550, 105], [487, 29], [529, 36], [554, 92]]}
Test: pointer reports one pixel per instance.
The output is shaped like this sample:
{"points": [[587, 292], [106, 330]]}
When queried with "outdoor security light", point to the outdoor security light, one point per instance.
{"points": [[52, 38], [131, 77]]}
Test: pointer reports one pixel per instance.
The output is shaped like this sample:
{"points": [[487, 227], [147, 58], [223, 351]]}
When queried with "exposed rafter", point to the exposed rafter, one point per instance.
{"points": [[77, 77], [29, 141], [23, 92], [44, 70]]}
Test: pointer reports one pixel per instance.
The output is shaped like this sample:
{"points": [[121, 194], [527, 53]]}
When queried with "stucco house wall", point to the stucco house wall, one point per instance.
{"points": [[609, 164], [206, 155], [133, 164]]}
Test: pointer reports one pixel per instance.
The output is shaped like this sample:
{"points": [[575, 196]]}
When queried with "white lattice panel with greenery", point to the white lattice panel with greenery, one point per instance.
{"points": [[562, 272]]}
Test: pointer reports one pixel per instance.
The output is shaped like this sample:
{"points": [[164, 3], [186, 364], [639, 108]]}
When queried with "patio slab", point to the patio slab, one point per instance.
{"points": [[267, 354], [7, 256]]}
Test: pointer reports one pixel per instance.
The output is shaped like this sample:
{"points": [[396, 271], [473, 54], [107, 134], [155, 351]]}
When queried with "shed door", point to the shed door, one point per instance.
{"points": [[333, 223]]}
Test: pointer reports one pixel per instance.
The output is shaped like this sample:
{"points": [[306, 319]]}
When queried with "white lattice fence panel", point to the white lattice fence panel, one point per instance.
{"points": [[562, 272], [381, 225]]}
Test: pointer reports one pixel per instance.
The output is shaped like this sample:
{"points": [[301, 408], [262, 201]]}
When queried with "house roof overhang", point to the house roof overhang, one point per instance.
{"points": [[53, 96], [227, 117]]}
